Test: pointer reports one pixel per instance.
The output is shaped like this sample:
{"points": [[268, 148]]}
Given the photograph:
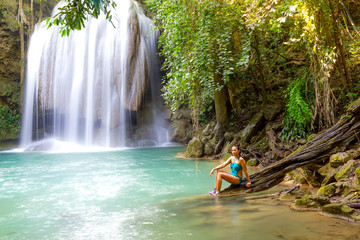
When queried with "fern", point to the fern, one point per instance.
{"points": [[297, 120]]}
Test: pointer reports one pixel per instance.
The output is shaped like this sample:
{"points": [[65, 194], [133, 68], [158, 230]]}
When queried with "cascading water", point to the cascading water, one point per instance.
{"points": [[99, 86]]}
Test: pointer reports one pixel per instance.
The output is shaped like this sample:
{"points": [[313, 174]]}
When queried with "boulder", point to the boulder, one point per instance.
{"points": [[271, 111], [356, 181], [256, 124], [346, 170], [325, 170], [194, 148], [330, 177], [312, 201], [340, 209], [339, 159]]}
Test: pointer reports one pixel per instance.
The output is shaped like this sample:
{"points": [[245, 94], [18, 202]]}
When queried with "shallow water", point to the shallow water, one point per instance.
{"points": [[140, 194]]}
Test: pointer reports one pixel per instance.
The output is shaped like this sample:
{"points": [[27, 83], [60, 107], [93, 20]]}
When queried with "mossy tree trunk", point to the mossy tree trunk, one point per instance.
{"points": [[323, 146]]}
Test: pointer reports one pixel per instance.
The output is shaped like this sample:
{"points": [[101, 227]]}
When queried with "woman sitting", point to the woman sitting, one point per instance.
{"points": [[237, 165]]}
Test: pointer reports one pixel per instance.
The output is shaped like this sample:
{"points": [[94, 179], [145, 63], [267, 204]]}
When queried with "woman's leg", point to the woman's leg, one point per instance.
{"points": [[227, 177], [217, 177]]}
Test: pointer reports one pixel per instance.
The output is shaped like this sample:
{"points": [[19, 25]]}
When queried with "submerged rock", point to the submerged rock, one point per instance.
{"points": [[312, 201], [340, 209]]}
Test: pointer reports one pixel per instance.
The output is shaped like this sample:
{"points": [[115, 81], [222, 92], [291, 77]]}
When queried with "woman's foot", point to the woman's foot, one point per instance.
{"points": [[213, 192]]}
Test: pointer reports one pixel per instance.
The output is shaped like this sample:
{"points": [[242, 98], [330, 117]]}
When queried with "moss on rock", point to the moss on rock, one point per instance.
{"points": [[345, 170], [340, 209], [356, 181], [312, 201], [328, 190], [339, 159]]}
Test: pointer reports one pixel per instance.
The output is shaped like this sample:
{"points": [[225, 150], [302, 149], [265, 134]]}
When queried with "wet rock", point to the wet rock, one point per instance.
{"points": [[312, 201], [295, 194], [346, 170], [329, 178], [310, 177], [339, 159], [356, 181], [340, 209], [194, 148], [256, 124], [297, 176], [208, 149], [327, 191], [325, 170], [271, 111]]}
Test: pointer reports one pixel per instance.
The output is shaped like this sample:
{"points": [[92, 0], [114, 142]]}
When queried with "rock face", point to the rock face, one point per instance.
{"points": [[10, 48], [136, 66], [9, 51]]}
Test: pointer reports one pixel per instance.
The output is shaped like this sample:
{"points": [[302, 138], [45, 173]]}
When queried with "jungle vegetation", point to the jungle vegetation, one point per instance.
{"points": [[303, 53]]}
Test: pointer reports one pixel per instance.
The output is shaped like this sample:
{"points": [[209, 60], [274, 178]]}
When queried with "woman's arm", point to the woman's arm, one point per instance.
{"points": [[243, 164], [224, 164]]}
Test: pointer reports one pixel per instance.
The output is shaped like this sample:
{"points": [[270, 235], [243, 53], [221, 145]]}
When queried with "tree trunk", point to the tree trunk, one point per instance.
{"points": [[261, 83], [322, 147], [221, 99]]}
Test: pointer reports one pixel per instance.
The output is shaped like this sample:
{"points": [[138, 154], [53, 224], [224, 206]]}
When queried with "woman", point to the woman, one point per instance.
{"points": [[238, 165]]}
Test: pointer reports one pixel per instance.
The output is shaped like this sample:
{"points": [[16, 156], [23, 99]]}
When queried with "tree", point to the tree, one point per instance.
{"points": [[73, 14]]}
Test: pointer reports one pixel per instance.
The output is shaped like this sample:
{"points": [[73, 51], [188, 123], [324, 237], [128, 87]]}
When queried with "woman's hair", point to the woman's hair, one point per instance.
{"points": [[237, 147]]}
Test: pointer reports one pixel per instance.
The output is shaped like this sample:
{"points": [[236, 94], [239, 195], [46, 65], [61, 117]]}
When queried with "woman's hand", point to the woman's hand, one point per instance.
{"points": [[212, 171], [248, 184]]}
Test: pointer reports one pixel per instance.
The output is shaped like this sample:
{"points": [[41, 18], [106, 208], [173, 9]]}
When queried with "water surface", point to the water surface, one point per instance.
{"points": [[139, 194]]}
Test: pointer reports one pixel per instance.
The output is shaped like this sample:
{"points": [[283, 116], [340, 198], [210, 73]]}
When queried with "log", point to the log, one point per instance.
{"points": [[330, 141]]}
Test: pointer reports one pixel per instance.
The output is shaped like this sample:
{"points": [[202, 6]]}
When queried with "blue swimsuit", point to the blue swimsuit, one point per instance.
{"points": [[234, 170]]}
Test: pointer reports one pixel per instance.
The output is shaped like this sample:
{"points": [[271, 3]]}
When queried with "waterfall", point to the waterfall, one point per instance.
{"points": [[99, 86]]}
